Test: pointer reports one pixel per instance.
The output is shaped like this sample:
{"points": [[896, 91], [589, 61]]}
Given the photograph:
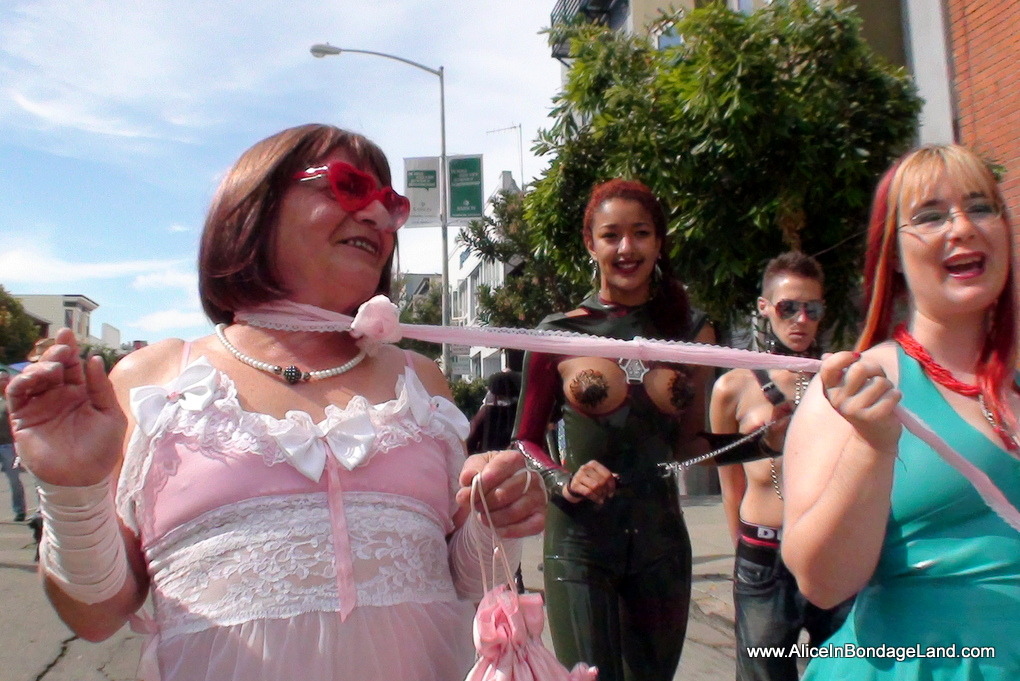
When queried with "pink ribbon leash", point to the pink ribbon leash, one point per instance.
{"points": [[377, 322]]}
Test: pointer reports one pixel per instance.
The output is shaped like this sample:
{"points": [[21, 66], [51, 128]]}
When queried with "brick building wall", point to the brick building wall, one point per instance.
{"points": [[984, 37]]}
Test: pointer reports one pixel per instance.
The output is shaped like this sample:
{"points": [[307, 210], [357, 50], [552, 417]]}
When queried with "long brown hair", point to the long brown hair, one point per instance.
{"points": [[235, 261], [883, 285], [669, 304]]}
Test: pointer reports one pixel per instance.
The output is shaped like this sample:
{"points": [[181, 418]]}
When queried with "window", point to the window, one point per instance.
{"points": [[745, 6], [664, 35], [667, 38]]}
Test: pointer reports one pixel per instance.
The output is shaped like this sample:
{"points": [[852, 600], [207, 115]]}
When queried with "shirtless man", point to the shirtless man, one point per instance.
{"points": [[770, 611]]}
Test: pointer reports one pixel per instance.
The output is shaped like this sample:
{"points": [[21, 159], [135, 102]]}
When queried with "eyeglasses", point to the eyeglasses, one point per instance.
{"points": [[934, 220], [354, 189], [788, 309]]}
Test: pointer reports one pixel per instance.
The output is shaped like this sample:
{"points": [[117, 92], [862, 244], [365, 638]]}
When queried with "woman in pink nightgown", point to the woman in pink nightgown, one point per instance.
{"points": [[294, 499]]}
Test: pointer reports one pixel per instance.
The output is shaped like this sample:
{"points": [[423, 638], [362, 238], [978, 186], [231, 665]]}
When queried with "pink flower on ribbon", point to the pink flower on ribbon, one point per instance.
{"points": [[377, 322]]}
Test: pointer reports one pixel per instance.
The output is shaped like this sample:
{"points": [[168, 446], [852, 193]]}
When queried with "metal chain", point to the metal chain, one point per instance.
{"points": [[775, 479], [997, 427], [677, 466], [799, 386]]}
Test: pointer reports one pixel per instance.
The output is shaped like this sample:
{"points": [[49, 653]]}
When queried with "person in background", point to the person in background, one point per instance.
{"points": [[8, 459], [617, 564], [871, 509], [769, 610], [295, 501], [492, 426]]}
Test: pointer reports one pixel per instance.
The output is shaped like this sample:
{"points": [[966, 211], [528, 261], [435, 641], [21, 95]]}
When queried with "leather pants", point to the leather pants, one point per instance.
{"points": [[618, 582]]}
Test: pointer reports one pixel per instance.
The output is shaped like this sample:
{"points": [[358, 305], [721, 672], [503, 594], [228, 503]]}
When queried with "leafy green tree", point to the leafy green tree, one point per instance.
{"points": [[468, 395], [424, 309], [110, 355], [17, 330], [760, 133], [533, 287]]}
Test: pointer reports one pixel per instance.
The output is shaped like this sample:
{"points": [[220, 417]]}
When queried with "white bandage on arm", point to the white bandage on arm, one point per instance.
{"points": [[471, 546], [82, 548]]}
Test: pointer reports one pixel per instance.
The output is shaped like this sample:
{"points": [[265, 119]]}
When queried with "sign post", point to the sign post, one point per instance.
{"points": [[467, 199], [421, 182]]}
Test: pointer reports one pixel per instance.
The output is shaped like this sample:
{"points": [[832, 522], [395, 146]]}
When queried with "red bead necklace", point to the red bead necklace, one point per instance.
{"points": [[945, 378]]}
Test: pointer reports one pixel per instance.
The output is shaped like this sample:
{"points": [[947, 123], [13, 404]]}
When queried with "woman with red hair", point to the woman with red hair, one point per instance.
{"points": [[617, 562], [870, 509]]}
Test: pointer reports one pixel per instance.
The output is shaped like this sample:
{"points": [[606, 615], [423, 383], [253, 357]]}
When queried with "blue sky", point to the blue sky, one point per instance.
{"points": [[117, 119]]}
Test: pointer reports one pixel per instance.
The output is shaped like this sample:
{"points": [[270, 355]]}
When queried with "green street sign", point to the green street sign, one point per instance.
{"points": [[466, 196]]}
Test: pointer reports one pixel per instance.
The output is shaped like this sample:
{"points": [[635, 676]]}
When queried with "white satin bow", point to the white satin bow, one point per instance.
{"points": [[441, 409], [349, 434], [193, 390], [346, 435]]}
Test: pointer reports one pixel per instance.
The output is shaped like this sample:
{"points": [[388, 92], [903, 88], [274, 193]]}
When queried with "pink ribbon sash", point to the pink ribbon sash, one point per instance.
{"points": [[377, 322]]}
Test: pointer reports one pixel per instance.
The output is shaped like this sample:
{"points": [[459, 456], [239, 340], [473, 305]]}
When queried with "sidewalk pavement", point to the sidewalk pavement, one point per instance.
{"points": [[38, 647]]}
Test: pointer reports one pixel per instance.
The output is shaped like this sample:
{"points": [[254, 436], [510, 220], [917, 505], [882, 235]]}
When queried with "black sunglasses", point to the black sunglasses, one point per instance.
{"points": [[787, 309]]}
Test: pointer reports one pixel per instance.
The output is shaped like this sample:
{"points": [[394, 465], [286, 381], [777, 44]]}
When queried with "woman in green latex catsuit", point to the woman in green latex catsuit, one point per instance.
{"points": [[617, 554]]}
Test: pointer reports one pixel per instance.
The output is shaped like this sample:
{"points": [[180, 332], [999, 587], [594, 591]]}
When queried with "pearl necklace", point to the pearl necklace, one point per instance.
{"points": [[290, 374]]}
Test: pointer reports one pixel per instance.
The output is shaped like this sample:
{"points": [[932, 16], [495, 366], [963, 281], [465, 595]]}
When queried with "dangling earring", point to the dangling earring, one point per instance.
{"points": [[657, 278], [770, 337]]}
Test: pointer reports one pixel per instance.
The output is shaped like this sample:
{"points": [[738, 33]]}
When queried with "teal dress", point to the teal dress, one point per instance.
{"points": [[949, 573]]}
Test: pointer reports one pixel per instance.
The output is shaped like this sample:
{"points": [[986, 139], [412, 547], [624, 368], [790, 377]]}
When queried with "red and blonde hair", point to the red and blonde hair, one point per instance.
{"points": [[899, 188]]}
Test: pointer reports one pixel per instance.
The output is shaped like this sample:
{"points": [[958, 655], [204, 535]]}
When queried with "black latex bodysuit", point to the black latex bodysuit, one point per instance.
{"points": [[617, 576]]}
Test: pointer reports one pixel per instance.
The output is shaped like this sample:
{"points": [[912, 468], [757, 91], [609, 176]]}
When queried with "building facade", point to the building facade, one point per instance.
{"points": [[73, 311], [985, 70], [470, 272]]}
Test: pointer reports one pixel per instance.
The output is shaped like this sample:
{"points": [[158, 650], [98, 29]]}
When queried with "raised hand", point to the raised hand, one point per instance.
{"points": [[859, 390], [68, 426]]}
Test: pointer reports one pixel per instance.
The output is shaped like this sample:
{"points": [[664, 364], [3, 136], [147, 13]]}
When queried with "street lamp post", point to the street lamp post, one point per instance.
{"points": [[326, 50]]}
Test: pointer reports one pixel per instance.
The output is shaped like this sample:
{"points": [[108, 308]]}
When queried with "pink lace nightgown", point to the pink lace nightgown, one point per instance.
{"points": [[287, 549]]}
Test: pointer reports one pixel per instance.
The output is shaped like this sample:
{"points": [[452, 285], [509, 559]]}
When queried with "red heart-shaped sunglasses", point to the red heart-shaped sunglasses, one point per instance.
{"points": [[354, 189]]}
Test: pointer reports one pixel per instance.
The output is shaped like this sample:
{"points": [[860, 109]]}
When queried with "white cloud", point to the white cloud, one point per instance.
{"points": [[165, 94], [170, 319], [166, 279], [96, 65], [64, 110], [26, 265]]}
